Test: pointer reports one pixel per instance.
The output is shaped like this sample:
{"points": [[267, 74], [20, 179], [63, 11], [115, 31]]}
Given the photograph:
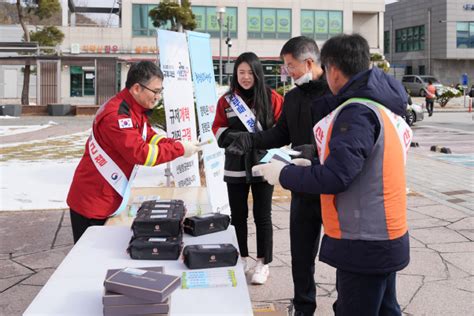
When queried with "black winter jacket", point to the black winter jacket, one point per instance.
{"points": [[303, 107]]}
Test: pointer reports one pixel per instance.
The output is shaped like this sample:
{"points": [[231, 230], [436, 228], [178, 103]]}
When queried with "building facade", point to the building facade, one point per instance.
{"points": [[431, 37], [11, 76], [258, 26]]}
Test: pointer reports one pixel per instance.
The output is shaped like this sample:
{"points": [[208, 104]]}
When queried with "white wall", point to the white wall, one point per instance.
{"points": [[365, 24], [8, 81], [11, 84]]}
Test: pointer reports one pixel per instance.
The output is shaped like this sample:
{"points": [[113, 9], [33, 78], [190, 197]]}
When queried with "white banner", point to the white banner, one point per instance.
{"points": [[179, 102], [206, 100]]}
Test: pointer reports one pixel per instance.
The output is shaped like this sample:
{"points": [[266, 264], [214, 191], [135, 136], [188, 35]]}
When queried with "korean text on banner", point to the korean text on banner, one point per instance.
{"points": [[179, 102], [206, 100]]}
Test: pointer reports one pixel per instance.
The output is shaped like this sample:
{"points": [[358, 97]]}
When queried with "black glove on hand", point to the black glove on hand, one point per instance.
{"points": [[241, 145], [308, 151]]}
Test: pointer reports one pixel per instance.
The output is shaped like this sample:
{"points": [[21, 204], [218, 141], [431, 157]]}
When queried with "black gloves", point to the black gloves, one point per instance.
{"points": [[308, 151], [241, 145]]}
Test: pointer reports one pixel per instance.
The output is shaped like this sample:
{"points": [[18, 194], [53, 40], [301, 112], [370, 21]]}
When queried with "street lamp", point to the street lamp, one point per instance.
{"points": [[220, 19], [228, 41]]}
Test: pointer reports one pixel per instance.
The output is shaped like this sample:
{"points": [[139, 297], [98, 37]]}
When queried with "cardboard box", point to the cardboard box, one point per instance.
{"points": [[147, 285], [266, 309], [160, 309], [111, 298]]}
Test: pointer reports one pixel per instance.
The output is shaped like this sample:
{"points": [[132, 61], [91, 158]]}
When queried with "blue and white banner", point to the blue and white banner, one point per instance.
{"points": [[179, 102], [206, 100]]}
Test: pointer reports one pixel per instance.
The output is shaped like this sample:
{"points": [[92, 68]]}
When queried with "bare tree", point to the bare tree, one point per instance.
{"points": [[26, 74], [42, 9]]}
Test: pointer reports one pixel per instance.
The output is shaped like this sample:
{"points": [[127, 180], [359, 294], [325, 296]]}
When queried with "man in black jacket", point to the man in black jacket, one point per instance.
{"points": [[303, 107]]}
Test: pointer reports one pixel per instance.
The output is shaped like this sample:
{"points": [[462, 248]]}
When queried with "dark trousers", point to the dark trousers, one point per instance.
{"points": [[429, 106], [305, 231], [366, 294], [262, 213], [80, 223]]}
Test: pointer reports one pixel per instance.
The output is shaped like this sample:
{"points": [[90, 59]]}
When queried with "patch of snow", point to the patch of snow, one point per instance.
{"points": [[44, 185], [8, 130]]}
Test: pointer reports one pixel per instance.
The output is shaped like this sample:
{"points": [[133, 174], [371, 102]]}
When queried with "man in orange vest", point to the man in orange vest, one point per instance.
{"points": [[430, 92], [360, 175]]}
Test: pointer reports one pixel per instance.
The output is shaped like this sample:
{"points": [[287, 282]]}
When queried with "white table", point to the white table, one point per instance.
{"points": [[76, 287]]}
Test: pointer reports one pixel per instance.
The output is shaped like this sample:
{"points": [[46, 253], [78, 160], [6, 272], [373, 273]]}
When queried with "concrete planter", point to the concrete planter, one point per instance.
{"points": [[10, 109], [58, 109]]}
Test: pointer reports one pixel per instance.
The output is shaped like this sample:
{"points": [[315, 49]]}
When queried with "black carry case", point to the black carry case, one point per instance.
{"points": [[158, 222], [161, 205], [158, 206], [210, 256], [206, 224], [155, 248]]}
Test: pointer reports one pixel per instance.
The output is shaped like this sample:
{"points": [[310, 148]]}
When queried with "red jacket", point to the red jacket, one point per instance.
{"points": [[90, 194]]}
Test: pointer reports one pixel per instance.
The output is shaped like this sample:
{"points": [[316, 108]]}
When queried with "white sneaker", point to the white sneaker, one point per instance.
{"points": [[246, 264], [261, 273]]}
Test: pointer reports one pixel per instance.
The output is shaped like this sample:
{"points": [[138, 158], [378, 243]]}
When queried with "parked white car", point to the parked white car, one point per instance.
{"points": [[414, 113]]}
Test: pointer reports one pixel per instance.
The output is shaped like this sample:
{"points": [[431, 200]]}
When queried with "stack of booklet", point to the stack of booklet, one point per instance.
{"points": [[138, 291]]}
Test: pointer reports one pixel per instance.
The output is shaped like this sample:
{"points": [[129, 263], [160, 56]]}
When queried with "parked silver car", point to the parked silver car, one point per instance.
{"points": [[414, 113], [416, 84]]}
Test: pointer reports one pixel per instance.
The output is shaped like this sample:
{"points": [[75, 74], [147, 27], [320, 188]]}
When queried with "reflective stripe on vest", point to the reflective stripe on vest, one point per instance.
{"points": [[374, 205], [111, 172]]}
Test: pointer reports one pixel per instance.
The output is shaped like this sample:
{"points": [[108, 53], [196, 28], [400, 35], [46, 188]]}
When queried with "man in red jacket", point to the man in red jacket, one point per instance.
{"points": [[121, 139]]}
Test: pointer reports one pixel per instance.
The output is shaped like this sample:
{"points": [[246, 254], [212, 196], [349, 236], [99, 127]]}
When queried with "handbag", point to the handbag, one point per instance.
{"points": [[155, 248], [206, 224], [210, 256]]}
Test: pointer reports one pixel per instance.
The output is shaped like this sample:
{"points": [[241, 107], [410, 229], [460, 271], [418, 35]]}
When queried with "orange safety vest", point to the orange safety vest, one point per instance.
{"points": [[374, 205]]}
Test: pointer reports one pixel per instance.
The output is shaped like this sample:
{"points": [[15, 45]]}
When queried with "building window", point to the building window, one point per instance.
{"points": [[321, 25], [421, 70], [82, 81], [206, 20], [142, 25], [410, 39], [386, 42], [409, 70], [465, 34], [268, 23]]}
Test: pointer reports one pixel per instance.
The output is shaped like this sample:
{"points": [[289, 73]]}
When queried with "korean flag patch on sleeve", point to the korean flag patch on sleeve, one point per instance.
{"points": [[125, 123]]}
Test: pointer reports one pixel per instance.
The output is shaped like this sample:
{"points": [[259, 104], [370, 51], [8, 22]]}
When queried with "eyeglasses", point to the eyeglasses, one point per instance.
{"points": [[293, 68], [155, 92]]}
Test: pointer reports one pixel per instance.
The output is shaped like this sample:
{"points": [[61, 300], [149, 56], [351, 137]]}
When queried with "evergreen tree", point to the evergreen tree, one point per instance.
{"points": [[172, 14], [47, 36]]}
